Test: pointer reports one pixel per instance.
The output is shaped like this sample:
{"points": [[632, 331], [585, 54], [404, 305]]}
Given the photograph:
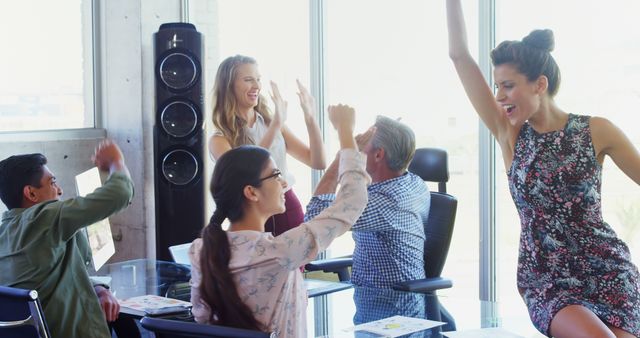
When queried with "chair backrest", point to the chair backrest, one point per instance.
{"points": [[438, 232], [431, 165], [21, 314], [182, 329]]}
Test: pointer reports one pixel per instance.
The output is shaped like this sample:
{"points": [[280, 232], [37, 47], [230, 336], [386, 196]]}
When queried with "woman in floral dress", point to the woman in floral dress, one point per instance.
{"points": [[574, 274]]}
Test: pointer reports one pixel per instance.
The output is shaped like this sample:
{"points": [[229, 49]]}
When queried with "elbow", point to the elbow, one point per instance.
{"points": [[319, 165], [454, 56]]}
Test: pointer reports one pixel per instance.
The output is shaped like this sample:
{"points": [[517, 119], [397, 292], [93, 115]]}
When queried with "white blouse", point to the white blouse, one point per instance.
{"points": [[278, 147]]}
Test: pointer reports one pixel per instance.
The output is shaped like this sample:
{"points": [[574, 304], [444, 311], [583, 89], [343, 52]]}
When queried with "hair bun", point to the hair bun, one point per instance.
{"points": [[540, 39]]}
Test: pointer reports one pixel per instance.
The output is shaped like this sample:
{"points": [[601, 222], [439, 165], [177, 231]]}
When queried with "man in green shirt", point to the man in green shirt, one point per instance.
{"points": [[39, 238]]}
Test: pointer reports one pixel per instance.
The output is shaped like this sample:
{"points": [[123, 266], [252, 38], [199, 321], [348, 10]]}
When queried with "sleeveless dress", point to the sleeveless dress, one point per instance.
{"points": [[568, 255]]}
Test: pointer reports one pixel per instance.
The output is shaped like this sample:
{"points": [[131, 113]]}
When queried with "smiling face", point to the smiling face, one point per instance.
{"points": [[48, 190], [246, 86], [270, 194], [519, 98]]}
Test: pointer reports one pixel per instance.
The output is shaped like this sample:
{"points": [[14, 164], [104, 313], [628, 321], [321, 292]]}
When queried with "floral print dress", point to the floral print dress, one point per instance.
{"points": [[568, 254]]}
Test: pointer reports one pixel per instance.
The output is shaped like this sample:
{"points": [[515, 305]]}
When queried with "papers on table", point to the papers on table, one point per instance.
{"points": [[155, 305], [482, 333], [395, 326]]}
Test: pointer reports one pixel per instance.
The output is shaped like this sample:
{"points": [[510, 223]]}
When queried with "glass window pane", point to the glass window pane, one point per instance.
{"points": [[599, 59], [394, 62], [47, 75], [279, 42]]}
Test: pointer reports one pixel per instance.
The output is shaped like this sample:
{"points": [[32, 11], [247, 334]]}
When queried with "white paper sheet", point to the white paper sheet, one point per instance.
{"points": [[395, 326]]}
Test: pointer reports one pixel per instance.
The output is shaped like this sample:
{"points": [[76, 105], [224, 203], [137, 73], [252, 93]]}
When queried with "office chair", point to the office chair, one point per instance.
{"points": [[166, 328], [21, 314], [431, 165]]}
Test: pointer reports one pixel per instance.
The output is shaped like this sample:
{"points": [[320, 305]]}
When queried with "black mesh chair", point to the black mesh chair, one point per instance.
{"points": [[431, 165], [167, 328], [21, 314]]}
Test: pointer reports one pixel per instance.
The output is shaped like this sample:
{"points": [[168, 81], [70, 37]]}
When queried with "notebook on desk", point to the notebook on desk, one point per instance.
{"points": [[99, 233]]}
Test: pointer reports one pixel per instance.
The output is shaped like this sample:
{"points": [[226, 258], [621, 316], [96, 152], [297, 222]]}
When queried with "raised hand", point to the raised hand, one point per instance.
{"points": [[307, 101], [342, 117], [280, 114], [107, 154]]}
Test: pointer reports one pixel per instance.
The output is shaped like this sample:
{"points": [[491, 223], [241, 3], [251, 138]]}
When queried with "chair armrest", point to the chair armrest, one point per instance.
{"points": [[424, 285], [330, 265], [335, 265]]}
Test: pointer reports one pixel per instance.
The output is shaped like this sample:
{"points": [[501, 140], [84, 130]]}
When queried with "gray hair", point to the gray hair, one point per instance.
{"points": [[397, 140]]}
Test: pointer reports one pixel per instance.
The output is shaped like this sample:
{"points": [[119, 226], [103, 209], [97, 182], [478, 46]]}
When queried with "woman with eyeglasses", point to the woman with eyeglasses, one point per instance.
{"points": [[247, 278], [241, 116]]}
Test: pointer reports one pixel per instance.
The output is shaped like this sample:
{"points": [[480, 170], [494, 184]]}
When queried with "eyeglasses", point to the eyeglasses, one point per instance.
{"points": [[277, 174]]}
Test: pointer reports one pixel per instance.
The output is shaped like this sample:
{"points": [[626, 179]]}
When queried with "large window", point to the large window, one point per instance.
{"points": [[600, 64], [276, 34], [47, 65], [394, 62]]}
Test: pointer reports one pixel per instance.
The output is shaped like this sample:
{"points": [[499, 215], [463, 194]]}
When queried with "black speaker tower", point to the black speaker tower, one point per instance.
{"points": [[178, 137]]}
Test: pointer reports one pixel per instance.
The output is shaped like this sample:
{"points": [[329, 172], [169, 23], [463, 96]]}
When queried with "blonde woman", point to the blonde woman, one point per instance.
{"points": [[242, 117]]}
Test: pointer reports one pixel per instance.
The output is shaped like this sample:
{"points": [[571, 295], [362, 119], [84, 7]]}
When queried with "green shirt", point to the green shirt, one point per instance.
{"points": [[40, 249]]}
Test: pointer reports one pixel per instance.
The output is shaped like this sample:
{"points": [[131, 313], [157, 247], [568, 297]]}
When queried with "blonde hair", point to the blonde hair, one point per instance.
{"points": [[225, 115]]}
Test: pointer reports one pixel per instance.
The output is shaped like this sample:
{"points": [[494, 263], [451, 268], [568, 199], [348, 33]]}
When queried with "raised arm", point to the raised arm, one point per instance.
{"points": [[301, 244], [115, 195], [108, 157], [279, 116], [312, 155], [474, 84]]}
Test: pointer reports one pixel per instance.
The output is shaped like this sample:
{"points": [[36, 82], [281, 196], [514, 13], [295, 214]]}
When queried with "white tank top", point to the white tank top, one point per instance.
{"points": [[278, 147]]}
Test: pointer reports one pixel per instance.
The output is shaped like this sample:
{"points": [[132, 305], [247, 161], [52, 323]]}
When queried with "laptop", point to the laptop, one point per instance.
{"points": [[99, 233], [180, 253]]}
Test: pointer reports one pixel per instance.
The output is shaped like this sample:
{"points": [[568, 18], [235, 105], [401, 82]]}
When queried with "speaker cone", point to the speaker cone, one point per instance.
{"points": [[179, 118], [178, 71], [179, 167]]}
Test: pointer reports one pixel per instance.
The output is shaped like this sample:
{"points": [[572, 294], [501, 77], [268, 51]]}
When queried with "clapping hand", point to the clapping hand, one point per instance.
{"points": [[307, 101], [280, 114]]}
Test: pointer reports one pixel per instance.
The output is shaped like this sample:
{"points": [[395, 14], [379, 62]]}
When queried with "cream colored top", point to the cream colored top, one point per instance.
{"points": [[278, 147], [265, 268]]}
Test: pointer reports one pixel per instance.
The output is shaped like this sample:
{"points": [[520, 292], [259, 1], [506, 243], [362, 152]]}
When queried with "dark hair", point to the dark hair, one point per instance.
{"points": [[16, 172], [234, 170], [531, 57]]}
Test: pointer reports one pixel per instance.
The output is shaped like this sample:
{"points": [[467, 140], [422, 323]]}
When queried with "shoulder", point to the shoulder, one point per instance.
{"points": [[599, 124], [218, 145], [601, 129], [194, 251], [34, 213]]}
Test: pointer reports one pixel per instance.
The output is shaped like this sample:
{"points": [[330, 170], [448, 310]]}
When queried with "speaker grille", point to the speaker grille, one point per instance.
{"points": [[179, 118], [179, 167], [178, 71]]}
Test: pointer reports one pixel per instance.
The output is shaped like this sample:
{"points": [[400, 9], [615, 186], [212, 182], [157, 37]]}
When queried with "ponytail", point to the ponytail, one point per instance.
{"points": [[217, 288]]}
